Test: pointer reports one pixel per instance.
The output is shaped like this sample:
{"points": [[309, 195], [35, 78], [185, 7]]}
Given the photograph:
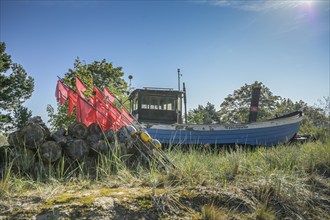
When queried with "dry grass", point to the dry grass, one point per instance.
{"points": [[261, 183]]}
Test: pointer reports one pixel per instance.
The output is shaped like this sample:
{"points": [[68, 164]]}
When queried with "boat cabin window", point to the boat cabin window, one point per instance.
{"points": [[134, 104], [158, 103]]}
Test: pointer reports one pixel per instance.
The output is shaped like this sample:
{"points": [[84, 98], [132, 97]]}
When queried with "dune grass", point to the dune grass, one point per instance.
{"points": [[275, 182]]}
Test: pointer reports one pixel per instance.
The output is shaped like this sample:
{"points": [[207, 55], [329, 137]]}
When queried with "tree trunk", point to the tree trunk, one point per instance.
{"points": [[77, 130], [50, 151], [77, 149]]}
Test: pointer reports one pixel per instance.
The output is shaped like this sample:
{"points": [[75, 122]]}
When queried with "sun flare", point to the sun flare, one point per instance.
{"points": [[308, 2]]}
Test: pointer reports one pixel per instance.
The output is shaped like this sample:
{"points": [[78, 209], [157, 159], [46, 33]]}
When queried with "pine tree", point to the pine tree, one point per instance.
{"points": [[15, 88]]}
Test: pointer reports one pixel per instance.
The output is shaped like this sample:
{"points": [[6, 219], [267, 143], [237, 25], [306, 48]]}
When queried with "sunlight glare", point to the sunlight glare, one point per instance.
{"points": [[308, 2]]}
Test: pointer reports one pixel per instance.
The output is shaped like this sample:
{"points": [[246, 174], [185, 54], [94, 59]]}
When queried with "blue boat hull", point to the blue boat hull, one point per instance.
{"points": [[264, 133]]}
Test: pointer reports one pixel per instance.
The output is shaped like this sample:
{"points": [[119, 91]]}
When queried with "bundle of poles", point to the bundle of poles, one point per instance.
{"points": [[111, 117]]}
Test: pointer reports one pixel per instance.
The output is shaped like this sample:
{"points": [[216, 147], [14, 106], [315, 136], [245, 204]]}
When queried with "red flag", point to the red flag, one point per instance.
{"points": [[80, 87], [73, 98], [85, 112], [127, 118], [98, 94], [108, 95], [61, 92], [101, 113], [115, 116]]}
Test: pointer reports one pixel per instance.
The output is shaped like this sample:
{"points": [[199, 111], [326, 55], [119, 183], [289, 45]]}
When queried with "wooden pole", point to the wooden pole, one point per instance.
{"points": [[254, 104]]}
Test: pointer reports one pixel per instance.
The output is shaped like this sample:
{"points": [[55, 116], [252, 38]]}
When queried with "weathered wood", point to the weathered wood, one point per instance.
{"points": [[94, 129], [92, 139], [110, 135], [14, 138], [77, 130], [50, 151], [59, 137], [77, 149], [69, 138], [33, 135], [3, 154], [100, 147], [24, 159], [61, 131], [123, 135], [38, 120]]}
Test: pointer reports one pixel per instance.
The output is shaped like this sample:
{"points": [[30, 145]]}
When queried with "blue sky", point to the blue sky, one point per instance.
{"points": [[218, 45]]}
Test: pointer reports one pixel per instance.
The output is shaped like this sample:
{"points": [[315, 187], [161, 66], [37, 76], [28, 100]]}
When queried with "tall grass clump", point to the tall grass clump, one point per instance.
{"points": [[6, 172], [211, 212], [205, 166], [314, 158], [192, 166], [14, 178]]}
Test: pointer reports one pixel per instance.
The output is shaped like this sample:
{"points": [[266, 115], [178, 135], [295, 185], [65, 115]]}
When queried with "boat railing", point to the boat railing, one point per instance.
{"points": [[158, 88]]}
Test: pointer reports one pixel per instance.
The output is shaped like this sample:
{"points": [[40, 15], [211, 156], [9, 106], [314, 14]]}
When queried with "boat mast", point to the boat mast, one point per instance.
{"points": [[185, 103], [180, 113], [179, 75]]}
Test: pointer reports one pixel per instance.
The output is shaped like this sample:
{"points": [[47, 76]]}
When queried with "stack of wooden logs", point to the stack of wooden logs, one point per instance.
{"points": [[77, 141]]}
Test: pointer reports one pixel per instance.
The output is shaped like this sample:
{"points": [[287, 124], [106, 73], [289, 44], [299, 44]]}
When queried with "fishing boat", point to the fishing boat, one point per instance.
{"points": [[159, 110]]}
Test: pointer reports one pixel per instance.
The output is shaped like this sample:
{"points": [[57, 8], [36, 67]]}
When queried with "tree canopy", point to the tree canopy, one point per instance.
{"points": [[98, 73], [15, 88], [236, 107], [203, 115], [316, 119]]}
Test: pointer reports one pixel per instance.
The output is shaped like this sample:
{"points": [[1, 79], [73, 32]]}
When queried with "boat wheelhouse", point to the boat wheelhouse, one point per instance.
{"points": [[156, 105]]}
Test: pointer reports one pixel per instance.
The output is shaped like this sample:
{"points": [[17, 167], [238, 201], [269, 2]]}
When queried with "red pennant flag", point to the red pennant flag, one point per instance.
{"points": [[61, 92], [127, 118], [85, 112], [115, 116], [101, 113], [98, 94], [73, 99], [108, 95], [80, 87]]}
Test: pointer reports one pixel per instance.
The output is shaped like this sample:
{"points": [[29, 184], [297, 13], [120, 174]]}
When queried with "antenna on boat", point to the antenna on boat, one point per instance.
{"points": [[130, 77], [185, 103], [179, 75], [180, 102]]}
